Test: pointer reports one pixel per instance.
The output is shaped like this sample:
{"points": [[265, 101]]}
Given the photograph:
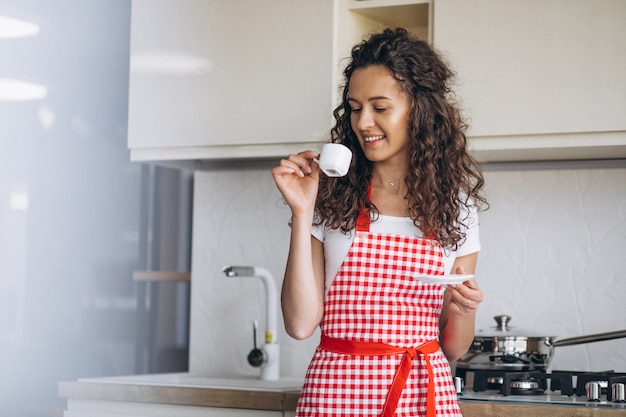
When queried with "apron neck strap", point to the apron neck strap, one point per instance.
{"points": [[363, 220]]}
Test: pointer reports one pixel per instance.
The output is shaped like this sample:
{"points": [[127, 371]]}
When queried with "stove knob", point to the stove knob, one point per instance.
{"points": [[593, 391], [618, 392], [458, 385]]}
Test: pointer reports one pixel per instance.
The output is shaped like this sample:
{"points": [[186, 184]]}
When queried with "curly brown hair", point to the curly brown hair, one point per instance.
{"points": [[442, 177]]}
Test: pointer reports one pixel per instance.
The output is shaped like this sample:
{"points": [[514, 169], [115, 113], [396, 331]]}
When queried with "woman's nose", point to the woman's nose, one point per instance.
{"points": [[365, 120]]}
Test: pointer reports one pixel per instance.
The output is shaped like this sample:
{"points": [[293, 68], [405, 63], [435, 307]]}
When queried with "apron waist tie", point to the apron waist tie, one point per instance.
{"points": [[399, 380]]}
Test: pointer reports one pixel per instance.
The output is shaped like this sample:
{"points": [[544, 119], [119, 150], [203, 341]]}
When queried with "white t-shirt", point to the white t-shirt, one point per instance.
{"points": [[337, 244]]}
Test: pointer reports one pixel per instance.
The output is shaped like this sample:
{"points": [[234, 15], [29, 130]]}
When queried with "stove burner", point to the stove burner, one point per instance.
{"points": [[525, 384], [526, 387], [518, 383], [521, 383]]}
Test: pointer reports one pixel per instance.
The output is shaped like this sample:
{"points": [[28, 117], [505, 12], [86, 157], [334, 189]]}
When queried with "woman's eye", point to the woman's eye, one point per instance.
{"points": [[356, 110], [380, 109]]}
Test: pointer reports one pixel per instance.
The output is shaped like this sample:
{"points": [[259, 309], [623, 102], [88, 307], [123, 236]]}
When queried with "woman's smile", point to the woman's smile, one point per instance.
{"points": [[370, 139]]}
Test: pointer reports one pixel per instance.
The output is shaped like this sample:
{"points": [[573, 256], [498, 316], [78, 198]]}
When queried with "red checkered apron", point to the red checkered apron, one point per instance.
{"points": [[380, 327]]}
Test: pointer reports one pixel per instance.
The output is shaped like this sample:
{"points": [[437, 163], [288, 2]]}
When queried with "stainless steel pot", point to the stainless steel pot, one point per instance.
{"points": [[504, 348]]}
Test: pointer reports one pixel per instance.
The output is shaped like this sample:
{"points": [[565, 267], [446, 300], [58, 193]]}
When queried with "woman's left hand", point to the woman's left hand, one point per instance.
{"points": [[465, 297]]}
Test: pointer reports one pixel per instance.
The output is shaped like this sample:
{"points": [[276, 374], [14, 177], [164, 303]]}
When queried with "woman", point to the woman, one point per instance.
{"points": [[406, 208]]}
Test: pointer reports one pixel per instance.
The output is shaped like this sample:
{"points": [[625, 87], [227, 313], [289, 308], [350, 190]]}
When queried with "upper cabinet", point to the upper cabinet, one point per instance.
{"points": [[538, 79], [217, 79], [237, 79]]}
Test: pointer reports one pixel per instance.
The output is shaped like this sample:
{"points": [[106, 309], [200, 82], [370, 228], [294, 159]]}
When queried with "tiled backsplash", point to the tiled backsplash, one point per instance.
{"points": [[554, 241]]}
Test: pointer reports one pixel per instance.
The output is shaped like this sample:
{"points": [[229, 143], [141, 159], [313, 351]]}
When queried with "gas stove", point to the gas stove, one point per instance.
{"points": [[590, 389]]}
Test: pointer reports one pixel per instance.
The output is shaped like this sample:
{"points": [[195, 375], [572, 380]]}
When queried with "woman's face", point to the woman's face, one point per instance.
{"points": [[380, 114]]}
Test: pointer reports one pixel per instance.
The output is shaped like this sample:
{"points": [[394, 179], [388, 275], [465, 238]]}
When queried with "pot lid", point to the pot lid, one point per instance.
{"points": [[502, 329]]}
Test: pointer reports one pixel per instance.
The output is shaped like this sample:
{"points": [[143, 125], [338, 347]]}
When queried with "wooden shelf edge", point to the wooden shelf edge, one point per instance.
{"points": [[161, 276]]}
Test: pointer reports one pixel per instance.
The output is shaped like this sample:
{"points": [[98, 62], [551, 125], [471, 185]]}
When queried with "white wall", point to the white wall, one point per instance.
{"points": [[553, 244]]}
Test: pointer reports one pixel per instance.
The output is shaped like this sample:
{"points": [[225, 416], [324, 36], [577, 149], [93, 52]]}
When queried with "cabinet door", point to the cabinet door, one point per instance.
{"points": [[223, 73], [536, 66]]}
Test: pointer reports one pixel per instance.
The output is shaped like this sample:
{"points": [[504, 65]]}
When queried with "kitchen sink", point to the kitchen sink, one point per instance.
{"points": [[242, 383]]}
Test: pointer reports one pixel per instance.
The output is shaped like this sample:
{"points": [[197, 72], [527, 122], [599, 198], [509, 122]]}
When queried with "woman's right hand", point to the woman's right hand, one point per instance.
{"points": [[297, 179]]}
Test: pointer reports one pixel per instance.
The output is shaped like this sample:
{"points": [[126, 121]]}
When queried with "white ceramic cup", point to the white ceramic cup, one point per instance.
{"points": [[335, 159]]}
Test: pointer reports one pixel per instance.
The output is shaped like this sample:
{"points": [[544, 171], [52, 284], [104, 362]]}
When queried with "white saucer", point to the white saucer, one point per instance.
{"points": [[444, 279]]}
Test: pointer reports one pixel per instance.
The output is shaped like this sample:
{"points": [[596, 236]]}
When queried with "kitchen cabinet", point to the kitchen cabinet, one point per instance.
{"points": [[215, 79], [154, 395], [99, 397], [539, 79], [219, 80]]}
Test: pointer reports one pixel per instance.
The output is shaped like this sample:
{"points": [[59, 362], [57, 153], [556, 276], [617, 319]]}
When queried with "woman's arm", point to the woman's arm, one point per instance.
{"points": [[302, 296], [458, 316]]}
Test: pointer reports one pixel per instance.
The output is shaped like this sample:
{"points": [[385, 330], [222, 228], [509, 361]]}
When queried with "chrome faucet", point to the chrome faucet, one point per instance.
{"points": [[270, 365]]}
